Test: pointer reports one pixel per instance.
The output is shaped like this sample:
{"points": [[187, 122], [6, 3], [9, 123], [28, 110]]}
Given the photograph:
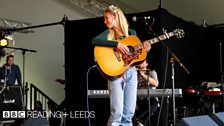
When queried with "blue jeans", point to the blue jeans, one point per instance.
{"points": [[123, 95]]}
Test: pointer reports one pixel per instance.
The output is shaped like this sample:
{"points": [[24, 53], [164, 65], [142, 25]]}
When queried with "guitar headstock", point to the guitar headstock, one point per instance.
{"points": [[179, 33]]}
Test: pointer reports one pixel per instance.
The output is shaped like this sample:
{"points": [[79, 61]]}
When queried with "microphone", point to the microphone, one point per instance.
{"points": [[93, 66], [143, 69], [140, 18]]}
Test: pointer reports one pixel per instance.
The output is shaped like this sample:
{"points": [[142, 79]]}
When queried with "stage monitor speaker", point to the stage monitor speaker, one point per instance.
{"points": [[204, 120], [218, 118], [10, 100]]}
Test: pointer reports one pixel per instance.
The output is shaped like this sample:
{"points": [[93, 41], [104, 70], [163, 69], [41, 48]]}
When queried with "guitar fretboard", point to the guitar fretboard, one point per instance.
{"points": [[161, 37], [155, 40]]}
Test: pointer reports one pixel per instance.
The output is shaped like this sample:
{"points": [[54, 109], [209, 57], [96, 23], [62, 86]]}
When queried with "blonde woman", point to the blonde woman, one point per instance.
{"points": [[123, 89]]}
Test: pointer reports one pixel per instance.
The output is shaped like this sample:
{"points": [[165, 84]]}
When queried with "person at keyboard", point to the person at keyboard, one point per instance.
{"points": [[146, 79]]}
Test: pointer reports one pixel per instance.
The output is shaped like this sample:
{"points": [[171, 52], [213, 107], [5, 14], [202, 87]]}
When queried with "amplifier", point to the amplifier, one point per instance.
{"points": [[10, 100]]}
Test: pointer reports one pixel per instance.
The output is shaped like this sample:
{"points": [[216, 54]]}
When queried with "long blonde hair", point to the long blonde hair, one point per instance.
{"points": [[117, 12]]}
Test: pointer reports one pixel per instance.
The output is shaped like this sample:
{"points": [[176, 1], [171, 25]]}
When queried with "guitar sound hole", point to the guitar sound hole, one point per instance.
{"points": [[131, 49]]}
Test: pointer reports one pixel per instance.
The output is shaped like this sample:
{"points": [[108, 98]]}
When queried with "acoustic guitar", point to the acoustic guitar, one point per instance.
{"points": [[112, 63]]}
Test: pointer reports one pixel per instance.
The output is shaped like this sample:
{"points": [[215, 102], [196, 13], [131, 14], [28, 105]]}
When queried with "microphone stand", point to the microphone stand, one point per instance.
{"points": [[221, 72], [23, 82], [148, 94], [173, 58], [220, 59], [173, 93]]}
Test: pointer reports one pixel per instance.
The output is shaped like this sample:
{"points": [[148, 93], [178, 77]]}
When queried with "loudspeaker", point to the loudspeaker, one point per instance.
{"points": [[218, 118], [204, 120], [10, 100]]}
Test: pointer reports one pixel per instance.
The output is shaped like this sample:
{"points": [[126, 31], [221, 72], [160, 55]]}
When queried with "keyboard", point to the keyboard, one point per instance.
{"points": [[140, 93]]}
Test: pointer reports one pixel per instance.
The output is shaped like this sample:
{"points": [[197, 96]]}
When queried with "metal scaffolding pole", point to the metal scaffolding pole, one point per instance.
{"points": [[7, 23]]}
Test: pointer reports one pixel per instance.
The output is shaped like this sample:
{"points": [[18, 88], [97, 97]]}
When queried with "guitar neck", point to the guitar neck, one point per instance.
{"points": [[155, 40], [161, 38]]}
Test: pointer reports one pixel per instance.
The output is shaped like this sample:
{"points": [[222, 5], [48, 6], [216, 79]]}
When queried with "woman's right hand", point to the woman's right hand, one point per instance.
{"points": [[123, 48]]}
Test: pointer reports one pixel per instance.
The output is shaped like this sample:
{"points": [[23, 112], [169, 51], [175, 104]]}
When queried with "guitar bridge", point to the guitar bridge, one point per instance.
{"points": [[128, 58]]}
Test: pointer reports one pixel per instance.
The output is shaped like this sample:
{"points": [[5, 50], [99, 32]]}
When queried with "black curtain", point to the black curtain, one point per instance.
{"points": [[192, 50]]}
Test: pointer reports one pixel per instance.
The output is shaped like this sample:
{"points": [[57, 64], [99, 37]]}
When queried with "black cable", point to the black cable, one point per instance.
{"points": [[150, 30], [220, 63], [87, 88], [164, 82]]}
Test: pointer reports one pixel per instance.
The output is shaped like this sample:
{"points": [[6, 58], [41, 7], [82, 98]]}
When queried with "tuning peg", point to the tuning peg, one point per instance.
{"points": [[179, 33]]}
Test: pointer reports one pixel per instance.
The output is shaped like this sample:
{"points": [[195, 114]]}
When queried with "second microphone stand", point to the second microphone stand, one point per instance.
{"points": [[173, 58], [148, 94]]}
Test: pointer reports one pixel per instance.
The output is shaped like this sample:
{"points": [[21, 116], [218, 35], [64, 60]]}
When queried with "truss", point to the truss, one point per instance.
{"points": [[94, 8], [7, 23]]}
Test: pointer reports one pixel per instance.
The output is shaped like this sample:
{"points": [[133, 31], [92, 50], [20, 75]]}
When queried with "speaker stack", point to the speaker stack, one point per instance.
{"points": [[10, 100], [216, 119]]}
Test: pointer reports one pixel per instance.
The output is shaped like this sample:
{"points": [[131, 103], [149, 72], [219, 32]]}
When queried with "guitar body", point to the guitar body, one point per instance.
{"points": [[112, 62]]}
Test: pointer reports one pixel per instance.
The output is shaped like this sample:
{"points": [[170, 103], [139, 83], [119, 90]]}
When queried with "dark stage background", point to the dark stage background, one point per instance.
{"points": [[198, 50]]}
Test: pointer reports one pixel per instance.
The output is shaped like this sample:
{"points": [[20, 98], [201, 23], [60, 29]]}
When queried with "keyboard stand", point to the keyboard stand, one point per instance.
{"points": [[149, 105]]}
